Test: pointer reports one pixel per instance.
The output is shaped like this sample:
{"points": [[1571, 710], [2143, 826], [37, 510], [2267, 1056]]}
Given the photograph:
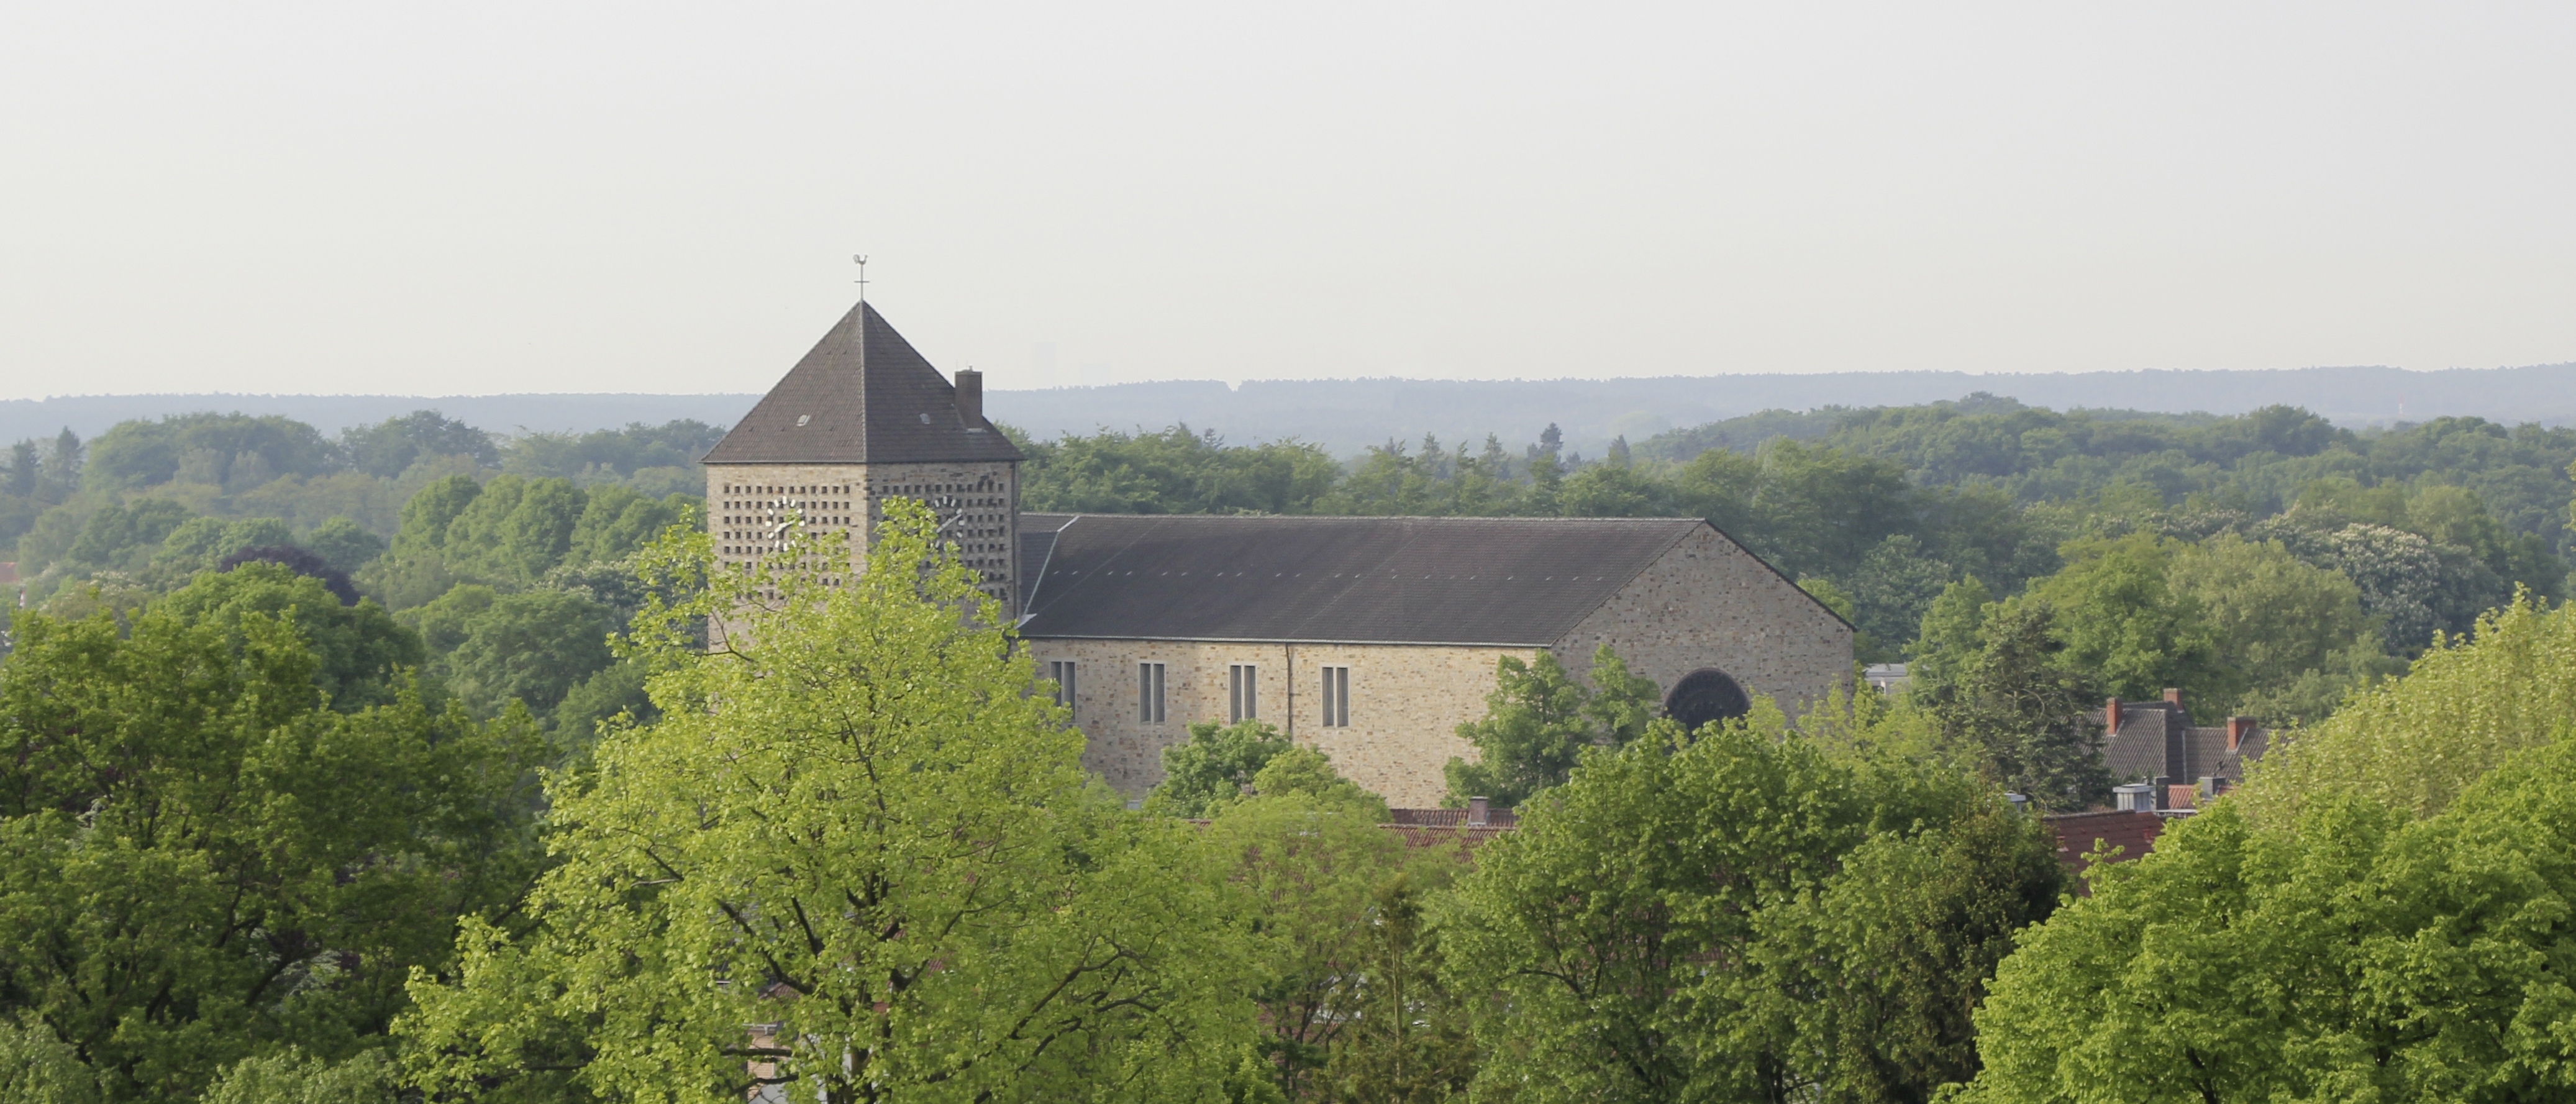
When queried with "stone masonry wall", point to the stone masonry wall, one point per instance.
{"points": [[1705, 603], [1709, 603], [1406, 705]]}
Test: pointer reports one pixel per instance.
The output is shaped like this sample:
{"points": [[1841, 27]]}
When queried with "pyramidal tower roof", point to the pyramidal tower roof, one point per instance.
{"points": [[862, 396]]}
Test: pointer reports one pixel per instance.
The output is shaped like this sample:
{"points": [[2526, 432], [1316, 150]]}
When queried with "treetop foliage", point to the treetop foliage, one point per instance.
{"points": [[1213, 766], [1538, 721], [2414, 744], [2359, 954], [201, 863], [1748, 915], [854, 826]]}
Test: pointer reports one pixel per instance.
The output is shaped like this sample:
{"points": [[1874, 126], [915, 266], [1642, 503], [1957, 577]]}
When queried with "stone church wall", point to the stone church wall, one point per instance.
{"points": [[1705, 603], [1406, 704], [1709, 603]]}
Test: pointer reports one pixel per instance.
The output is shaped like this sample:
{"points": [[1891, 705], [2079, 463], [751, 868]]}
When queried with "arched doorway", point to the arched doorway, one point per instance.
{"points": [[1706, 695]]}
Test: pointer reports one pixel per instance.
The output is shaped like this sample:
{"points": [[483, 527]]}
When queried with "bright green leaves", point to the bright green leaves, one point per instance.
{"points": [[1539, 719], [1743, 916], [2382, 913], [199, 863], [1212, 767], [2357, 957], [853, 822]]}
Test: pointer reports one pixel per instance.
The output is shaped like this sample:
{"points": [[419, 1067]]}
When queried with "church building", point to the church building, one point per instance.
{"points": [[1369, 638]]}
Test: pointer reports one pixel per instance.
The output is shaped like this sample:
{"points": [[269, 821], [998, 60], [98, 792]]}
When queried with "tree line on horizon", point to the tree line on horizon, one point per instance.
{"points": [[2267, 564]]}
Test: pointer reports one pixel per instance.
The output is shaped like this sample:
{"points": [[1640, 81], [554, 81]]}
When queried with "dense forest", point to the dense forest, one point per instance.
{"points": [[409, 766], [490, 561]]}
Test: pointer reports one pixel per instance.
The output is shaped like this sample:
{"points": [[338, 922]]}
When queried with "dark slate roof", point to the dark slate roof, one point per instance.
{"points": [[2158, 738], [1503, 581], [863, 392]]}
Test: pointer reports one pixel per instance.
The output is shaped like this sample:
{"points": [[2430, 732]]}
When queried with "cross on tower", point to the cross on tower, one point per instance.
{"points": [[863, 276]]}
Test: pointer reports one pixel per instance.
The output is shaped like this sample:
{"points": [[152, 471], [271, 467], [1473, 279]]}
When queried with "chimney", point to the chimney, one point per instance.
{"points": [[2173, 694], [2111, 717], [2136, 797], [970, 397], [2237, 727], [1476, 814]]}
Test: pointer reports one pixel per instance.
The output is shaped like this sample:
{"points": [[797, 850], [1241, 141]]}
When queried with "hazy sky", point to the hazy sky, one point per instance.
{"points": [[471, 197]]}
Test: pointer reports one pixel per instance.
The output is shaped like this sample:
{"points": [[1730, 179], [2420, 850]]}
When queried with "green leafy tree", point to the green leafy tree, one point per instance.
{"points": [[200, 862], [289, 1078], [600, 453], [2290, 638], [2349, 954], [1875, 978], [1613, 490], [1410, 1039], [1212, 767], [360, 652], [1952, 634], [37, 1068], [516, 530], [1894, 586], [2123, 622], [2021, 702], [532, 648], [1308, 773], [124, 537], [1743, 916], [854, 827], [1173, 472], [2415, 743], [609, 694], [1538, 720], [344, 544], [231, 450], [616, 522], [432, 511], [390, 447], [1305, 868]]}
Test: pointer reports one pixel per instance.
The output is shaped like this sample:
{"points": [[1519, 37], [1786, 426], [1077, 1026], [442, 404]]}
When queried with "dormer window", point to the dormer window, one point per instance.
{"points": [[801, 419]]}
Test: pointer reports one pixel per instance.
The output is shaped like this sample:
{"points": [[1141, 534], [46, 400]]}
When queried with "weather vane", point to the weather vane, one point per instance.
{"points": [[863, 275]]}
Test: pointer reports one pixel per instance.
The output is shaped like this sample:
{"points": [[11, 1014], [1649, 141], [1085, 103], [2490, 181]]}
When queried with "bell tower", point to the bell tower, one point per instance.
{"points": [[864, 418]]}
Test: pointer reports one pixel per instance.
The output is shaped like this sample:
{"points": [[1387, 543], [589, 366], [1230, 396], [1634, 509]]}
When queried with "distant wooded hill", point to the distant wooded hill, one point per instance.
{"points": [[1347, 415]]}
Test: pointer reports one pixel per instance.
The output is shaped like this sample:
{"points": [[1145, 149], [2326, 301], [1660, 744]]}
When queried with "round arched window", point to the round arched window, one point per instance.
{"points": [[1706, 695]]}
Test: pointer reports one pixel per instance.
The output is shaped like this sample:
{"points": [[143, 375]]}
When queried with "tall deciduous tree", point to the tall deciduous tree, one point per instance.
{"points": [[2123, 622], [1741, 917], [1306, 868], [2021, 701], [1539, 719], [1212, 767], [2350, 955], [200, 862], [855, 825], [1410, 1039]]}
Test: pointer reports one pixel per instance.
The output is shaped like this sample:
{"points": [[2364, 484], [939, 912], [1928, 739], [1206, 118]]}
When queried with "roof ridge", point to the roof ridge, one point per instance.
{"points": [[862, 395]]}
